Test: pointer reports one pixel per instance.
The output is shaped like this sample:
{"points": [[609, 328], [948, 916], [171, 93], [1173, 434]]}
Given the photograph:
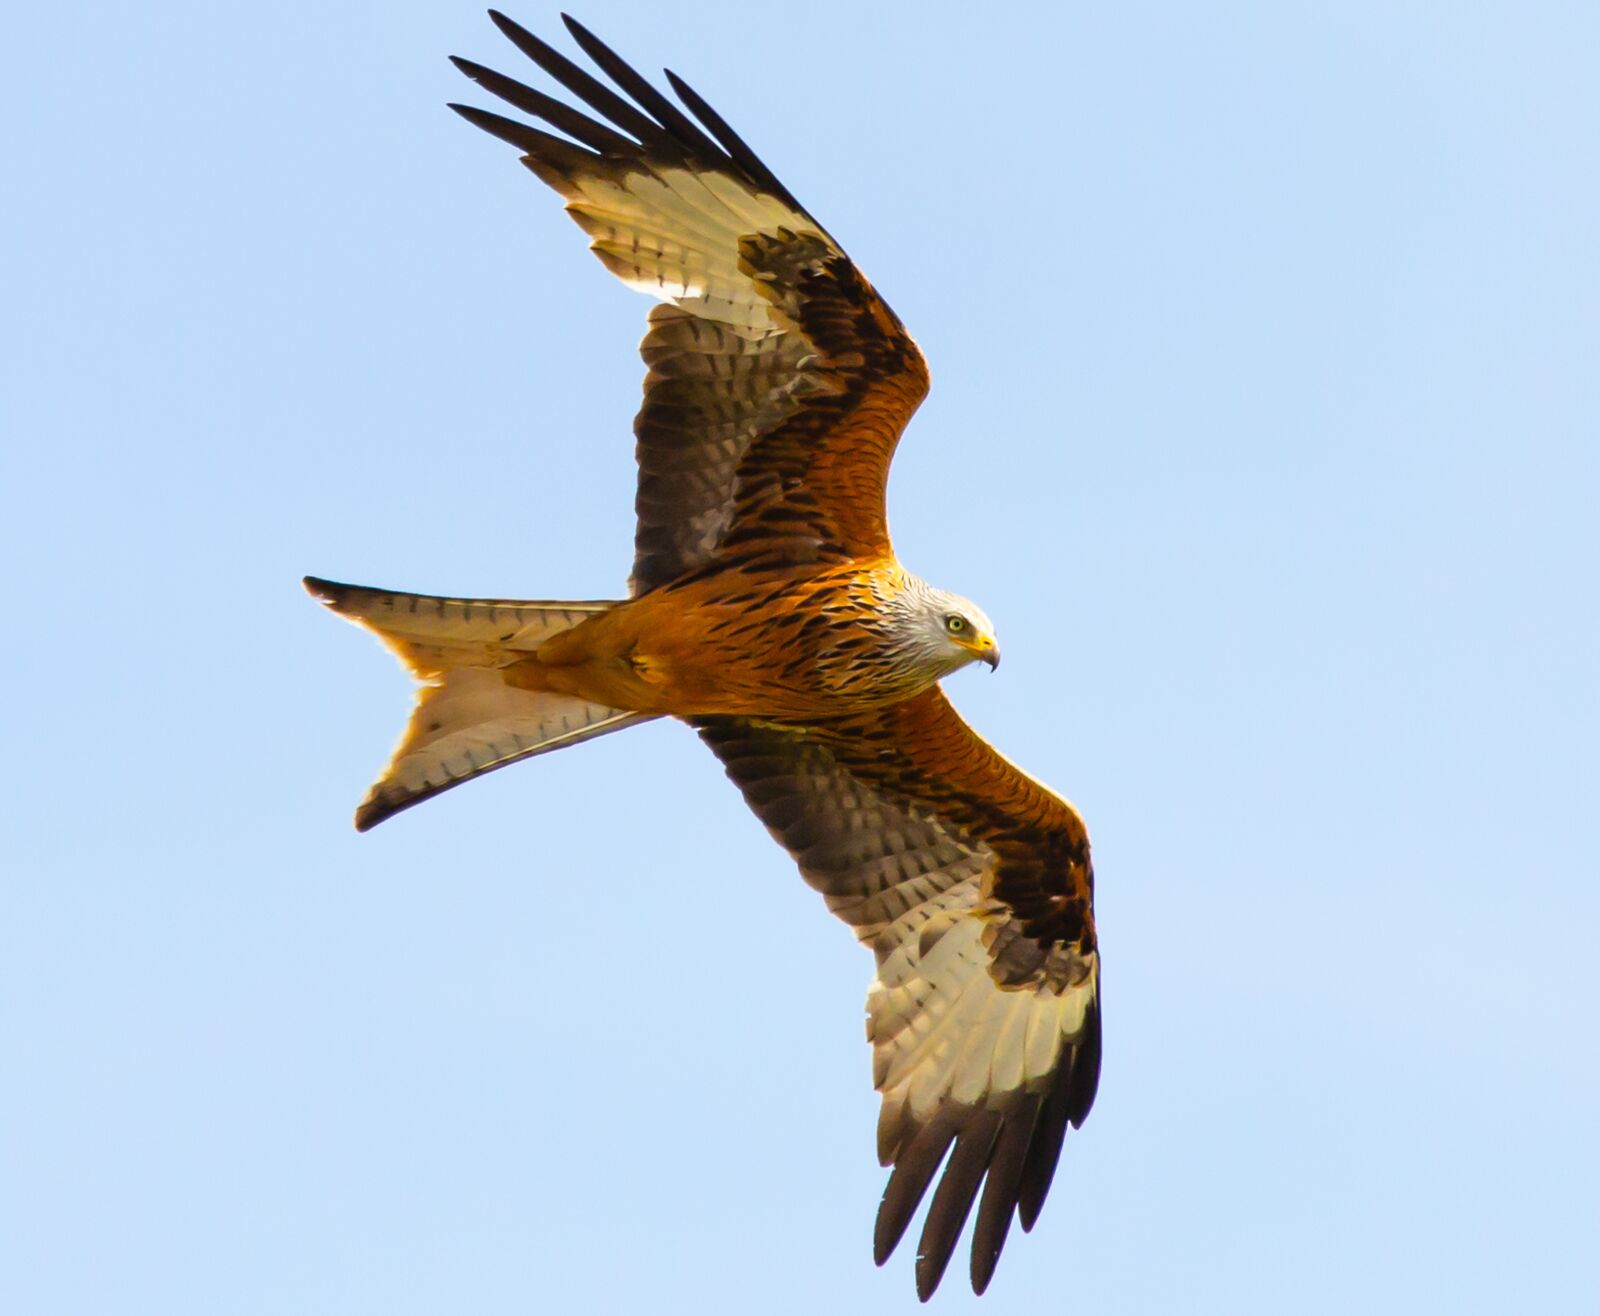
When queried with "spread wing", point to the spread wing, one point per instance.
{"points": [[971, 883], [779, 381]]}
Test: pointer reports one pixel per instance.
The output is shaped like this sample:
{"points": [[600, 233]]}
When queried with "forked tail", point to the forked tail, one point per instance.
{"points": [[468, 719]]}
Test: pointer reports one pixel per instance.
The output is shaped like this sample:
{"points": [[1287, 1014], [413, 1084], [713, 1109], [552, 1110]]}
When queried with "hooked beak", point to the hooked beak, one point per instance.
{"points": [[991, 655]]}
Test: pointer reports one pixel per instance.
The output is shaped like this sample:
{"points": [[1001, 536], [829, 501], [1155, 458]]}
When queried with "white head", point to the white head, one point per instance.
{"points": [[940, 632]]}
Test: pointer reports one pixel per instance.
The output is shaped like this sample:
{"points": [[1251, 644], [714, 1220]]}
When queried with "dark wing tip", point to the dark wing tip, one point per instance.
{"points": [[914, 1169], [1086, 1066], [991, 1147], [558, 114], [508, 25], [1010, 1152], [678, 126], [496, 124], [953, 1198], [530, 141], [737, 148], [585, 86], [1044, 1153], [999, 1204], [654, 124]]}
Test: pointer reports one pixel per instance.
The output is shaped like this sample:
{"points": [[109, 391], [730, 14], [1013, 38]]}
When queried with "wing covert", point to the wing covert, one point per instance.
{"points": [[971, 884], [777, 393]]}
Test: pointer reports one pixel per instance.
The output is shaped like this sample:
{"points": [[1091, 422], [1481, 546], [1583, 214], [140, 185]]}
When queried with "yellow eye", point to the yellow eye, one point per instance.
{"points": [[955, 623]]}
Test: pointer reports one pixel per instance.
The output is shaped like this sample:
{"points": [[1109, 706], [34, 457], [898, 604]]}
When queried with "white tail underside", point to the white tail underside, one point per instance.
{"points": [[468, 720]]}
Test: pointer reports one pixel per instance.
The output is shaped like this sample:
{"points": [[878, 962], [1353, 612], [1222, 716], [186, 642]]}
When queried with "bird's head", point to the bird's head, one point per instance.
{"points": [[946, 632]]}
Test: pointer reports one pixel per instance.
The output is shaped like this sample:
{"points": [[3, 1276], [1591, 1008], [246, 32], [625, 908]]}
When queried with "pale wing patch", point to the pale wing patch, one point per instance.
{"points": [[675, 235], [941, 1027]]}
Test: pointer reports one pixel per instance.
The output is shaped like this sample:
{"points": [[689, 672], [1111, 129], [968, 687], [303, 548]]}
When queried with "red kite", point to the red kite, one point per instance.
{"points": [[767, 610]]}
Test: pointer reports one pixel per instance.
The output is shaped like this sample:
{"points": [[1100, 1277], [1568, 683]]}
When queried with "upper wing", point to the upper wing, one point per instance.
{"points": [[779, 381], [971, 883]]}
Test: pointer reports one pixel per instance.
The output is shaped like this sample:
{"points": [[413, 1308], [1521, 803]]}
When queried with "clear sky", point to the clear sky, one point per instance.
{"points": [[1265, 424]]}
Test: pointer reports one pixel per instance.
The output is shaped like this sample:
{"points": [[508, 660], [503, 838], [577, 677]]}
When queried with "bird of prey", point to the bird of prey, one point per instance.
{"points": [[768, 611]]}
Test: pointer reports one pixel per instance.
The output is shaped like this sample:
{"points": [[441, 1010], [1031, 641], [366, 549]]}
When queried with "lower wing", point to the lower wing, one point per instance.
{"points": [[971, 883]]}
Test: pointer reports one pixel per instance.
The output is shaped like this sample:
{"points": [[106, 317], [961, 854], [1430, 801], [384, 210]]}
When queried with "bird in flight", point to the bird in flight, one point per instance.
{"points": [[768, 611]]}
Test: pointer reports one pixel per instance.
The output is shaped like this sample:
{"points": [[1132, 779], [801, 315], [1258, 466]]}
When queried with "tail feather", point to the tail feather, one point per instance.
{"points": [[431, 634], [468, 719], [473, 722]]}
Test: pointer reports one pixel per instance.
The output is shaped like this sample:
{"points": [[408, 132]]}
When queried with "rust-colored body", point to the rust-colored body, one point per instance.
{"points": [[781, 646]]}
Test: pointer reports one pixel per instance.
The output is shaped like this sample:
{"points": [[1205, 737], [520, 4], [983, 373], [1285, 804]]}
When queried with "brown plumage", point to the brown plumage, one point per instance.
{"points": [[767, 610]]}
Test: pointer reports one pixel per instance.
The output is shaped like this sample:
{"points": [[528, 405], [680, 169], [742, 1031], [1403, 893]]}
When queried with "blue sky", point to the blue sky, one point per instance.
{"points": [[1265, 424]]}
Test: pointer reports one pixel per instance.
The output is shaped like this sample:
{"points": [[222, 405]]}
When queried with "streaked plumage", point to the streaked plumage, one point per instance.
{"points": [[767, 610]]}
